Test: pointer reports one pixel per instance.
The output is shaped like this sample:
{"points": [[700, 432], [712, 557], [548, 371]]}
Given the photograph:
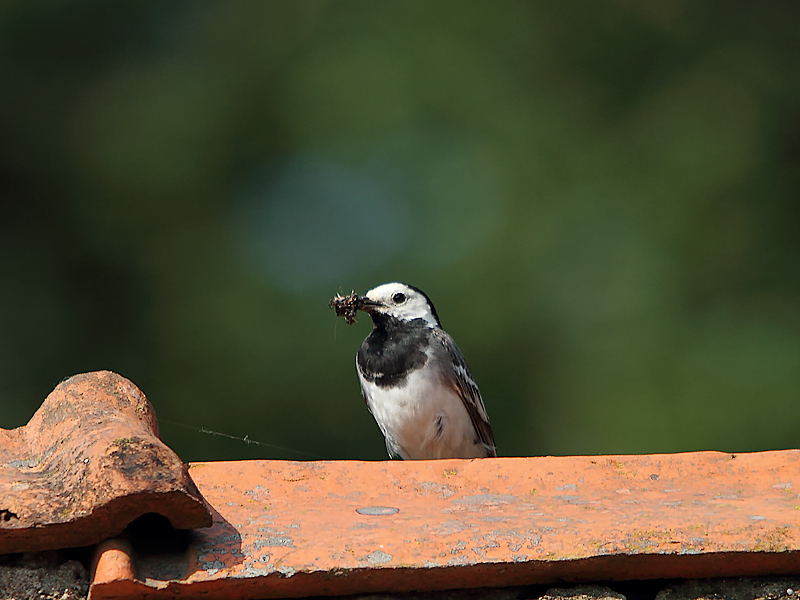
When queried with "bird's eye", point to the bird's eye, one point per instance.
{"points": [[399, 298]]}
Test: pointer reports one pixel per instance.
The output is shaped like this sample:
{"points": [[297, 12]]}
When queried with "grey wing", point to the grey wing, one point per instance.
{"points": [[461, 380]]}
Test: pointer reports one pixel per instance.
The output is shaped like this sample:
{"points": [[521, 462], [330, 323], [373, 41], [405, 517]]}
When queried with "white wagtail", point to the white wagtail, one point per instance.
{"points": [[414, 378]]}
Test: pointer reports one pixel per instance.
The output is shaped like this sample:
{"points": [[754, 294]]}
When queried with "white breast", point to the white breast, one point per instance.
{"points": [[424, 419]]}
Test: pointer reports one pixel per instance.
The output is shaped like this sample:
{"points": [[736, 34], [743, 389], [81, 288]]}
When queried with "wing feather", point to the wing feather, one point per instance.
{"points": [[460, 379]]}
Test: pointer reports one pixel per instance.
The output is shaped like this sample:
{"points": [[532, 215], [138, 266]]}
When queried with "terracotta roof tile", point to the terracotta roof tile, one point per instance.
{"points": [[318, 528], [89, 462]]}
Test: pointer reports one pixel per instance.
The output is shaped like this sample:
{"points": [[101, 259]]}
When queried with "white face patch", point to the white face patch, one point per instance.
{"points": [[402, 302]]}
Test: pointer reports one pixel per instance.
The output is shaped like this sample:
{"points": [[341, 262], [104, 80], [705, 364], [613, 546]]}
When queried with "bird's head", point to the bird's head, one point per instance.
{"points": [[399, 301]]}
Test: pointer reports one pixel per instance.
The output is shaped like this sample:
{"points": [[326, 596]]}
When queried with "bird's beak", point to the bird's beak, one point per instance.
{"points": [[367, 305]]}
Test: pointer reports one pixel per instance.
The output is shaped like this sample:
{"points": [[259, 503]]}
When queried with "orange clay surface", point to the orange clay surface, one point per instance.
{"points": [[89, 462], [318, 528]]}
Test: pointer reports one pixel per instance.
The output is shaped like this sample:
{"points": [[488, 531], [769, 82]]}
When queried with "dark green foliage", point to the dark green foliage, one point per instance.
{"points": [[600, 198]]}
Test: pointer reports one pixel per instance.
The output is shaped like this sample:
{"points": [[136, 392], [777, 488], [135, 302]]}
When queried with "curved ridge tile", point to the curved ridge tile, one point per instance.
{"points": [[88, 463]]}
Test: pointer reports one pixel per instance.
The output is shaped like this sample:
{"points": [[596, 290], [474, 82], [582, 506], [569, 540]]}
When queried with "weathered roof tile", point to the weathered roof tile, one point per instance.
{"points": [[89, 462], [341, 527]]}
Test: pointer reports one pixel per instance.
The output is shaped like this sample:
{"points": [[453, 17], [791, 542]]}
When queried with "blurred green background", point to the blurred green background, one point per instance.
{"points": [[602, 198]]}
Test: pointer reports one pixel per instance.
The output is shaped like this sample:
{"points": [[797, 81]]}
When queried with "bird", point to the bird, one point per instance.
{"points": [[416, 382]]}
